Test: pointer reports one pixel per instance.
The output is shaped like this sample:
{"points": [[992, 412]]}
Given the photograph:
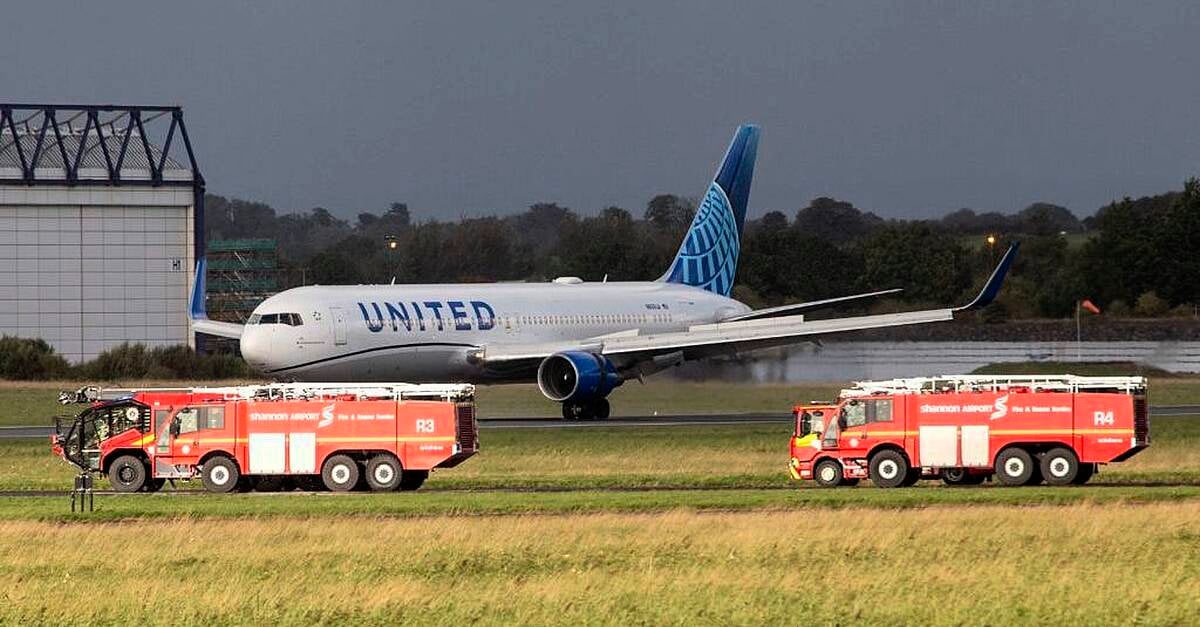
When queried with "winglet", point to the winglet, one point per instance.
{"points": [[992, 287], [196, 308]]}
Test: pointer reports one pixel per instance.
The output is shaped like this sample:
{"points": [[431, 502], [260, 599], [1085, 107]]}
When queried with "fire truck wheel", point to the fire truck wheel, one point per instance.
{"points": [[1085, 473], [961, 476], [1060, 466], [1015, 466], [220, 474], [269, 483], [383, 473], [340, 473], [889, 469], [127, 474], [828, 473], [412, 479]]}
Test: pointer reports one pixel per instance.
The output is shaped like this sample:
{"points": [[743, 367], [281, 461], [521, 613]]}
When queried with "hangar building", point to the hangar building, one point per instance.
{"points": [[101, 221]]}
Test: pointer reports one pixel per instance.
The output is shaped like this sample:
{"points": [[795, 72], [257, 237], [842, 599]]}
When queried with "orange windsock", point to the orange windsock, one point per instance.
{"points": [[1090, 306]]}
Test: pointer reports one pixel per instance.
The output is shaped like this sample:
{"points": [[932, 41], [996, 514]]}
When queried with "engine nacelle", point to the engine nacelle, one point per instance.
{"points": [[577, 376]]}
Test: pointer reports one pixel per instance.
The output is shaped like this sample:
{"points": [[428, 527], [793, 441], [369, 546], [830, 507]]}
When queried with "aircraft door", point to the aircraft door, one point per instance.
{"points": [[339, 325]]}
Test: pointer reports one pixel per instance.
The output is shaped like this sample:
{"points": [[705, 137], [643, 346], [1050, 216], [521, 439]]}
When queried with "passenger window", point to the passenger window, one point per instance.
{"points": [[188, 420], [214, 417], [879, 410], [856, 414]]}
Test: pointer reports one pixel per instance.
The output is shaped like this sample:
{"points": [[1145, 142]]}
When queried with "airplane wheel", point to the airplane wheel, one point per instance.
{"points": [[600, 409], [576, 411]]}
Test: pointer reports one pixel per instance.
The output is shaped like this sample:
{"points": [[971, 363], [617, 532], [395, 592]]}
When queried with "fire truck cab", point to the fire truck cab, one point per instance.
{"points": [[268, 437], [965, 429]]}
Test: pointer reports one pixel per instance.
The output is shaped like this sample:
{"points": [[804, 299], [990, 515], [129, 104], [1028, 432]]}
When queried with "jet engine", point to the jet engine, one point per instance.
{"points": [[577, 377]]}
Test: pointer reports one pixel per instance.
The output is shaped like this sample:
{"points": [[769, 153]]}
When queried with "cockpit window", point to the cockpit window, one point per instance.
{"points": [[290, 319]]}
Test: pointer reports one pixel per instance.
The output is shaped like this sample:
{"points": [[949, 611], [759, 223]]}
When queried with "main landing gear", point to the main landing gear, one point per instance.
{"points": [[596, 409]]}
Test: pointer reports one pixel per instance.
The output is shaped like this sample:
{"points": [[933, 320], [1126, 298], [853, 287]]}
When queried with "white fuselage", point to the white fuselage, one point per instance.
{"points": [[422, 333]]}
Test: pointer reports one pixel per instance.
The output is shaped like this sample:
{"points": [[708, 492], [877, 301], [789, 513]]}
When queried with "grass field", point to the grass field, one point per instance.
{"points": [[1089, 564]]}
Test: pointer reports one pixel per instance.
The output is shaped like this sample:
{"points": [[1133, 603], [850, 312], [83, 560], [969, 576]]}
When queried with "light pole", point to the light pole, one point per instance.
{"points": [[393, 245], [991, 242]]}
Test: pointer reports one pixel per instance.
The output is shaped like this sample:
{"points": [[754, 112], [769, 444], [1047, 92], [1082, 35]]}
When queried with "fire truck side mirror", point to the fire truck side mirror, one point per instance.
{"points": [[175, 427]]}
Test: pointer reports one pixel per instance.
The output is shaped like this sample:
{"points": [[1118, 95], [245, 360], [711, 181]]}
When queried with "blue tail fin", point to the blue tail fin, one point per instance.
{"points": [[709, 254]]}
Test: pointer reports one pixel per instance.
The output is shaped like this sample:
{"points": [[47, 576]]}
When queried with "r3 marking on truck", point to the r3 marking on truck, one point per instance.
{"points": [[314, 435]]}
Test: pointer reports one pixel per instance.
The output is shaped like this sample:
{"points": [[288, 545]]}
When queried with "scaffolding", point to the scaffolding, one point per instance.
{"points": [[241, 274]]}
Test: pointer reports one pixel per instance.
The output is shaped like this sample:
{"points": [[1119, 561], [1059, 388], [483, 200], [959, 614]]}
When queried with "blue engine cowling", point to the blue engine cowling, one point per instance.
{"points": [[577, 376]]}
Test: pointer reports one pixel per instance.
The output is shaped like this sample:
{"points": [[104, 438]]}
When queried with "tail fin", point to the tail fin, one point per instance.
{"points": [[709, 254]]}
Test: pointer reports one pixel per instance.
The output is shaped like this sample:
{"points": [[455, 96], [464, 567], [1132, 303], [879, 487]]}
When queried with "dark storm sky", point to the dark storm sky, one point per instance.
{"points": [[906, 109]]}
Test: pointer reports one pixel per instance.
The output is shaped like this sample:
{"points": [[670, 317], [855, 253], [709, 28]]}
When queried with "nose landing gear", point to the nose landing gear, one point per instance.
{"points": [[595, 409]]}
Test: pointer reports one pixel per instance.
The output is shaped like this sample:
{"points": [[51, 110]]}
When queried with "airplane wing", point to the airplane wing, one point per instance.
{"points": [[788, 310], [198, 315], [646, 353]]}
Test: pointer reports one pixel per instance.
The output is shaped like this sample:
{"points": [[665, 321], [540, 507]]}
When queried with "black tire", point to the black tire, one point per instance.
{"points": [[127, 474], [850, 483], [828, 474], [383, 472], [889, 469], [154, 485], [961, 476], [269, 483], [1060, 466], [412, 479], [574, 411], [1015, 467], [600, 409], [340, 473], [1086, 472], [221, 475], [310, 483]]}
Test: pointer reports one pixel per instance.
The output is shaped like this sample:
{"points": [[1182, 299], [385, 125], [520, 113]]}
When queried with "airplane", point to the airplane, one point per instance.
{"points": [[577, 340]]}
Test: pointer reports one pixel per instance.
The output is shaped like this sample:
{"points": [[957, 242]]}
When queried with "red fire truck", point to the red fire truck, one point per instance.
{"points": [[336, 436], [964, 429]]}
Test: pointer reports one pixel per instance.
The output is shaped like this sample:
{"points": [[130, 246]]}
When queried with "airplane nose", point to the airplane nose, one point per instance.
{"points": [[256, 347]]}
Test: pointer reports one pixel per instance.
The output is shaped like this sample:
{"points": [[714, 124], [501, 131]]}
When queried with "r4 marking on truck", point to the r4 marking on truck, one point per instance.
{"points": [[1103, 418]]}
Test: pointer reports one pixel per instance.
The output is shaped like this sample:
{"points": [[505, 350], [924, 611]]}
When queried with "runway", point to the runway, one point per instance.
{"points": [[687, 420]]}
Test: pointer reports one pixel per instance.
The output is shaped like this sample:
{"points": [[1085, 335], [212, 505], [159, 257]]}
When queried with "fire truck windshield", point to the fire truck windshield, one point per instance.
{"points": [[811, 422]]}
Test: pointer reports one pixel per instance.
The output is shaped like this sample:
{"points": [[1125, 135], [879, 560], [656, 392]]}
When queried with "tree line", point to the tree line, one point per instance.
{"points": [[1134, 257]]}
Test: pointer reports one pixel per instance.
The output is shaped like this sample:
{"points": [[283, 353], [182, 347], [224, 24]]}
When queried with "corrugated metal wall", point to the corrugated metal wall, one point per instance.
{"points": [[89, 268]]}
